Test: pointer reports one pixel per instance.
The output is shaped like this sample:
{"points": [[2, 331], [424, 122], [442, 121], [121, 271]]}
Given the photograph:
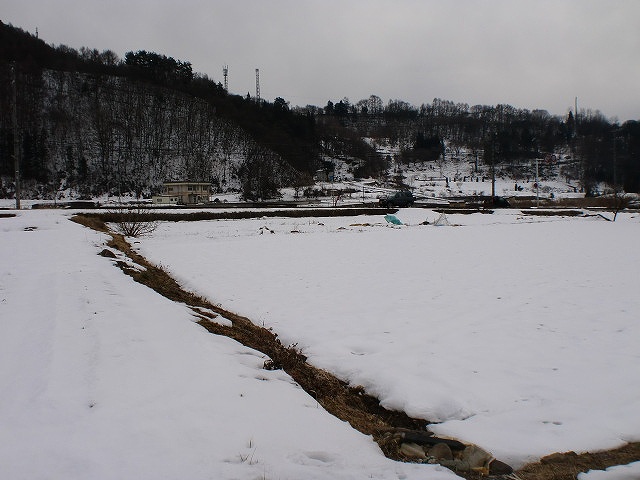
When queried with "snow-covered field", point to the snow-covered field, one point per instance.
{"points": [[517, 333]]}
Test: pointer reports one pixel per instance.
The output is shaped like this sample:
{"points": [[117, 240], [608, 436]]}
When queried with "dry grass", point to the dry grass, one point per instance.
{"points": [[567, 466], [155, 215], [608, 203], [554, 213], [95, 222]]}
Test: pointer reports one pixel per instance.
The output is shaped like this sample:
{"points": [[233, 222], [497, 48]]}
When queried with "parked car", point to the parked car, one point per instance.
{"points": [[403, 198]]}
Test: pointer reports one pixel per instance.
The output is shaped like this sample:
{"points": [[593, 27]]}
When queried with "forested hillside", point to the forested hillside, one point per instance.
{"points": [[93, 123], [590, 147]]}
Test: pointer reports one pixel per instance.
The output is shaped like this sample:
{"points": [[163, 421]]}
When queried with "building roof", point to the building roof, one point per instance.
{"points": [[186, 183]]}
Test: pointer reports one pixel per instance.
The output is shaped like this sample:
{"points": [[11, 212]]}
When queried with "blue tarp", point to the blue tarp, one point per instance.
{"points": [[392, 219]]}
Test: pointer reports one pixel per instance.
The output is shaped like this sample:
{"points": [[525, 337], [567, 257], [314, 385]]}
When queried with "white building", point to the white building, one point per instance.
{"points": [[183, 193]]}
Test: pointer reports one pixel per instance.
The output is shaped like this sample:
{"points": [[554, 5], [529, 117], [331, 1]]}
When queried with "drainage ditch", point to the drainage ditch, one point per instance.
{"points": [[399, 436]]}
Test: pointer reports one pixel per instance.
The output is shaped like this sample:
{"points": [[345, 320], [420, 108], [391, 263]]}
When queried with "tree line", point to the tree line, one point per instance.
{"points": [[103, 124], [93, 122], [601, 150]]}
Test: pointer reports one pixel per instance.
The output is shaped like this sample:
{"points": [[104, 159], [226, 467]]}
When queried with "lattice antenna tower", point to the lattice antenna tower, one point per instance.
{"points": [[225, 72], [258, 85]]}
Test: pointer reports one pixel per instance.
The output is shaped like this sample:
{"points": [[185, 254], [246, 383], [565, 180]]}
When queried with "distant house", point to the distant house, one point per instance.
{"points": [[183, 193], [326, 174]]}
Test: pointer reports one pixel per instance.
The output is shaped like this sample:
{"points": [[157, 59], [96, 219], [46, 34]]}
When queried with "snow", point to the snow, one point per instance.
{"points": [[510, 330], [517, 333], [619, 472], [103, 378]]}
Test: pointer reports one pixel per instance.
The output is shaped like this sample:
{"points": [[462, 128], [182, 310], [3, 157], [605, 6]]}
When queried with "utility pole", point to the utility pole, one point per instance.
{"points": [[493, 169], [537, 185], [575, 140], [575, 120], [16, 143], [615, 179], [615, 160]]}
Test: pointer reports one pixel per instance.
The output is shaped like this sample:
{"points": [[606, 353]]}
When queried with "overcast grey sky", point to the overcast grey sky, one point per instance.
{"points": [[527, 53]]}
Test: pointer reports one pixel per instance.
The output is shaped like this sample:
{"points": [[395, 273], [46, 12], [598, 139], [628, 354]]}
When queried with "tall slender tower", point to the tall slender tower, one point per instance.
{"points": [[258, 85], [225, 72], [16, 141], [575, 118]]}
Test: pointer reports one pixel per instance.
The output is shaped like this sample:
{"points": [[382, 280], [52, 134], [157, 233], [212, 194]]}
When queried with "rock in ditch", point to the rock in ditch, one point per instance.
{"points": [[441, 451], [423, 446], [413, 451], [496, 467], [107, 253], [471, 459]]}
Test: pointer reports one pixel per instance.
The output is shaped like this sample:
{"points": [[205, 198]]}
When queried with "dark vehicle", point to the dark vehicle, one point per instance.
{"points": [[500, 202], [399, 199]]}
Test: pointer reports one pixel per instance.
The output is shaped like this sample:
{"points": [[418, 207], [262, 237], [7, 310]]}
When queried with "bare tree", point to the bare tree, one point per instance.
{"points": [[620, 201], [134, 222], [336, 196]]}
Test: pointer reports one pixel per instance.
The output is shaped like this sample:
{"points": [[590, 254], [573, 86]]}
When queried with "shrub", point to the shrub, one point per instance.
{"points": [[134, 223]]}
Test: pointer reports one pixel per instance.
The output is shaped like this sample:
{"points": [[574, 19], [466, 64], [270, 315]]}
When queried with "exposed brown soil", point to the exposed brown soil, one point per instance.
{"points": [[567, 466], [554, 213], [463, 211], [351, 404], [155, 215]]}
